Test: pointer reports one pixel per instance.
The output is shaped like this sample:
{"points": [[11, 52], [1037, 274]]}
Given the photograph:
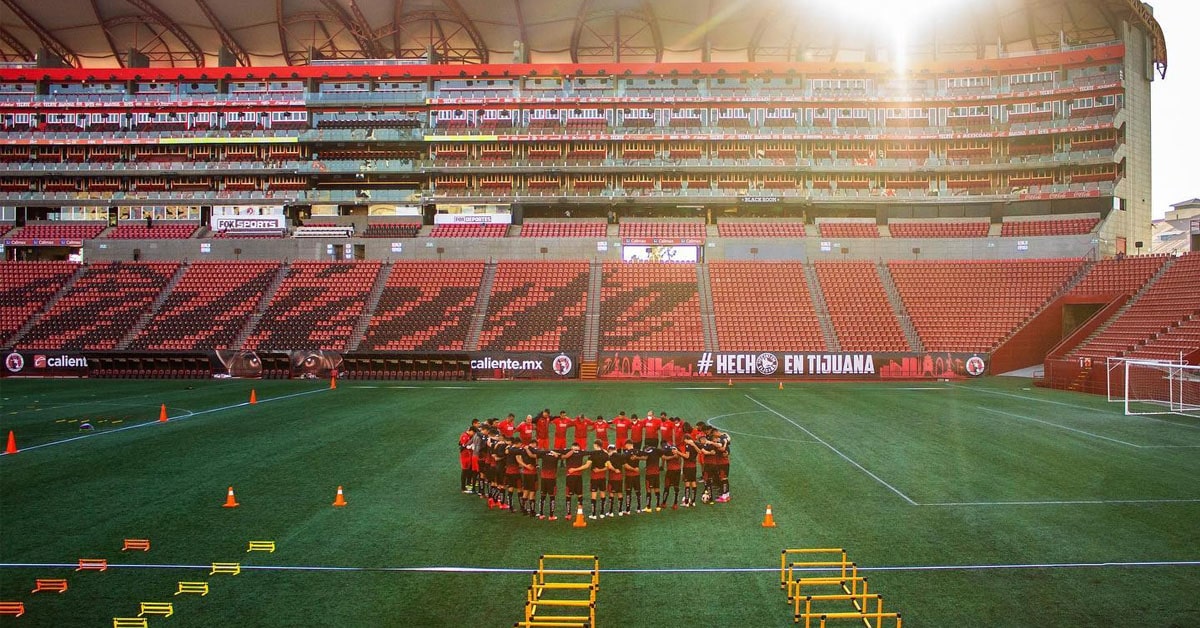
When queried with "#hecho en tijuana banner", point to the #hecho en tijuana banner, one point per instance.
{"points": [[793, 365]]}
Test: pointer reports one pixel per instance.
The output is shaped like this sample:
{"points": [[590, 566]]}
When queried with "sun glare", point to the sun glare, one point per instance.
{"points": [[896, 18]]}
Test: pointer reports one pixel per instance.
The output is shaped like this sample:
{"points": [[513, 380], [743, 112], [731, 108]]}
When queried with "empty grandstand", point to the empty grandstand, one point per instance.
{"points": [[350, 193]]}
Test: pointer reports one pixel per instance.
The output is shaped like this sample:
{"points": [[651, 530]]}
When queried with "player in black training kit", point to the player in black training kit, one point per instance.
{"points": [[674, 459], [617, 458], [598, 483], [653, 455], [633, 472], [527, 460], [577, 462], [548, 485]]}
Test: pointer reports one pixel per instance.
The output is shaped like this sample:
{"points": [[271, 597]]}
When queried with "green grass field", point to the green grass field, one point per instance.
{"points": [[986, 503]]}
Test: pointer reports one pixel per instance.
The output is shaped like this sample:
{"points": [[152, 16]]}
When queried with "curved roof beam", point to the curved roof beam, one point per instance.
{"points": [[283, 43], [368, 33], [46, 38], [397, 11], [1033, 30], [644, 13], [358, 29], [1146, 19], [227, 38], [469, 25], [655, 30], [585, 8], [760, 29], [112, 43], [22, 52], [170, 56], [175, 29], [432, 33]]}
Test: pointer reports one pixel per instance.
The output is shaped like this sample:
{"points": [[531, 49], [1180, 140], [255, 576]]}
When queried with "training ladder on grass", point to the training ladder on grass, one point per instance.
{"points": [[823, 568], [562, 592]]}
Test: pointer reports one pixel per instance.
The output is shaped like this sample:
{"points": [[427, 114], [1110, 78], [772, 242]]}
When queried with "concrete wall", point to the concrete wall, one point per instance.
{"points": [[575, 249], [1134, 222]]}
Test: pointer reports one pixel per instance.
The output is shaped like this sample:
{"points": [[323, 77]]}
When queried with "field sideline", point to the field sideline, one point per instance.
{"points": [[986, 502]]}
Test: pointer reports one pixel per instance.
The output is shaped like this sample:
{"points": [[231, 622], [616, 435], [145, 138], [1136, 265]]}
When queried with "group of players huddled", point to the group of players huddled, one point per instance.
{"points": [[514, 467]]}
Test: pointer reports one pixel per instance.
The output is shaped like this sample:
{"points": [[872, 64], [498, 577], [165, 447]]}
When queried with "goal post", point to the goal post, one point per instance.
{"points": [[1159, 387]]}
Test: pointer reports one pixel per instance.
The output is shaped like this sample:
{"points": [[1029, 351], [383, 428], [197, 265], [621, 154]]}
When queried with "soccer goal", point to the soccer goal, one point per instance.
{"points": [[1154, 386]]}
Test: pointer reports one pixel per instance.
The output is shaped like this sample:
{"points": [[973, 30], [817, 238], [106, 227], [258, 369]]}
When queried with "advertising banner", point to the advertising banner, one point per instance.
{"points": [[44, 364], [272, 224], [502, 365], [792, 366], [315, 364], [44, 242], [300, 364], [467, 218], [235, 363]]}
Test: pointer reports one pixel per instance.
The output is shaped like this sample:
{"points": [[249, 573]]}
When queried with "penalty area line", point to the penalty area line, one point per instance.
{"points": [[835, 450], [1069, 502]]}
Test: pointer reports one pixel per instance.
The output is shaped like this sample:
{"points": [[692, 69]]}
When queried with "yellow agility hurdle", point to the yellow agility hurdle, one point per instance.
{"points": [[200, 588], [593, 572], [166, 609], [261, 546], [562, 592], [784, 571], [232, 569]]}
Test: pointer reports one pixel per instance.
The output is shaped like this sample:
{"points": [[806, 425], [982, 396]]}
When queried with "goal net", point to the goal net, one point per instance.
{"points": [[1155, 386]]}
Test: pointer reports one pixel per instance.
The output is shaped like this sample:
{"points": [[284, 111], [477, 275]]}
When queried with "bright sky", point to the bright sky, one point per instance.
{"points": [[1176, 129]]}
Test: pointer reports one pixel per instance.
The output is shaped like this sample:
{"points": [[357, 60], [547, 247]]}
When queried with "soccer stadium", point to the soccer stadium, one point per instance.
{"points": [[593, 313]]}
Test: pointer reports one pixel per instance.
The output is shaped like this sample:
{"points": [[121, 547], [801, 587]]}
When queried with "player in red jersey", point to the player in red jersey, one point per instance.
{"points": [[636, 429], [652, 427], [621, 424], [599, 480], [677, 432], [600, 426], [577, 461], [542, 430], [561, 424], [582, 424], [465, 477], [525, 430], [507, 426]]}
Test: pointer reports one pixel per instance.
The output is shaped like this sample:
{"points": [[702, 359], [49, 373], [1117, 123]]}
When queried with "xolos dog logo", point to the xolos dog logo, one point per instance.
{"points": [[14, 362]]}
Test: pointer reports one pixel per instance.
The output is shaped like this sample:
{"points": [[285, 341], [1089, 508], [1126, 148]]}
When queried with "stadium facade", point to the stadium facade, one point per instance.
{"points": [[783, 131]]}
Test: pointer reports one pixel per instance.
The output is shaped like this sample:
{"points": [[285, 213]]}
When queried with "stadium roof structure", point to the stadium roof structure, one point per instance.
{"points": [[192, 33]]}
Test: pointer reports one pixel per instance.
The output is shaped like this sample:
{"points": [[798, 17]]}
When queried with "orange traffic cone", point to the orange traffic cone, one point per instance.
{"points": [[781, 385], [230, 500], [253, 397], [340, 500], [731, 382], [333, 383], [12, 443], [769, 519], [579, 520], [162, 414]]}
